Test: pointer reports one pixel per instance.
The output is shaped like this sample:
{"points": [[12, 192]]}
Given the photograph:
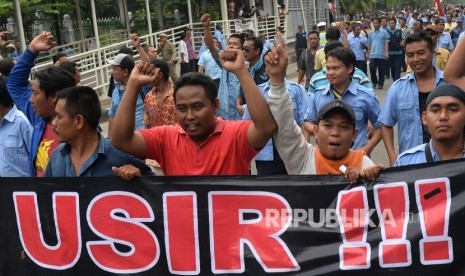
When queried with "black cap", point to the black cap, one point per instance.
{"points": [[336, 105], [446, 89]]}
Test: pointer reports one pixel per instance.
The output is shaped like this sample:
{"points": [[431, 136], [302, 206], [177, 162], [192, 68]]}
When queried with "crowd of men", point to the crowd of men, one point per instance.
{"points": [[232, 104]]}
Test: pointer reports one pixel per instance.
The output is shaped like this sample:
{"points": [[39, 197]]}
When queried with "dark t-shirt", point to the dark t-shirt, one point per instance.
{"points": [[422, 101]]}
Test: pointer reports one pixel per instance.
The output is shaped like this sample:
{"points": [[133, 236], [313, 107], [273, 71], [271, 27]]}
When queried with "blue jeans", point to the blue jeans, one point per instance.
{"points": [[380, 65], [395, 64]]}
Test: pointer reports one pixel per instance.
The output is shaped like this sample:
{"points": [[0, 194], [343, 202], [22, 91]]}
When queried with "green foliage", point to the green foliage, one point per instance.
{"points": [[359, 6]]}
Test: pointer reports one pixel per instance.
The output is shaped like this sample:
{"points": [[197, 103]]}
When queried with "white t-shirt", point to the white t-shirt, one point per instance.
{"points": [[182, 49]]}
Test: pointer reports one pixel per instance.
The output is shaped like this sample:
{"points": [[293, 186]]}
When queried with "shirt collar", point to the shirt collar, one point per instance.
{"points": [[10, 116], [439, 76], [103, 146], [351, 89]]}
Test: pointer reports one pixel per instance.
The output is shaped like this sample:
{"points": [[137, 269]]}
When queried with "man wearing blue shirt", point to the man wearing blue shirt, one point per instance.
{"points": [[378, 53], [15, 136], [319, 79], [229, 84], [85, 151], [268, 160], [444, 40], [395, 49], [208, 65], [445, 119], [38, 102], [339, 69], [219, 35], [406, 98], [358, 44]]}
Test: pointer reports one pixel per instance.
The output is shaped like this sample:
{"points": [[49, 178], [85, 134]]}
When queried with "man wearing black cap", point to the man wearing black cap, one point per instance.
{"points": [[300, 42], [335, 134], [445, 120]]}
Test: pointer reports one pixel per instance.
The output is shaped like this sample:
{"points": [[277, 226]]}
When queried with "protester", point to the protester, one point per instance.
{"points": [[72, 68], [190, 50], [38, 103], [159, 103], [111, 83], [183, 54], [335, 133], [6, 65], [332, 34], [444, 39], [339, 69], [122, 66], [15, 136], [455, 32], [358, 44], [268, 160], [378, 53], [168, 54], [300, 42], [319, 80], [201, 143], [229, 84], [306, 63], [85, 152], [253, 47], [209, 66], [59, 58], [219, 35], [406, 98], [444, 118], [395, 49]]}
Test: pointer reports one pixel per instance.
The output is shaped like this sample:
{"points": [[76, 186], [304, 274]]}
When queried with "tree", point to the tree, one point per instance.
{"points": [[353, 7]]}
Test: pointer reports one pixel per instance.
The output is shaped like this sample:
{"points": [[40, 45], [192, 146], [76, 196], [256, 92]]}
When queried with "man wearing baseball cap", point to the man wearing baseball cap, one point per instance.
{"points": [[445, 120], [167, 52], [122, 66]]}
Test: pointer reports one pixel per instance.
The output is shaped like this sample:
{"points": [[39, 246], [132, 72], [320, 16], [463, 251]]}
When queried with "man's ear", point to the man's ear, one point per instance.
{"points": [[354, 136], [216, 105], [423, 117], [80, 121]]}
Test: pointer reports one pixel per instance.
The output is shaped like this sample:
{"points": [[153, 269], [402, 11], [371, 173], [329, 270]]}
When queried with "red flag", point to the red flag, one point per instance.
{"points": [[440, 10]]}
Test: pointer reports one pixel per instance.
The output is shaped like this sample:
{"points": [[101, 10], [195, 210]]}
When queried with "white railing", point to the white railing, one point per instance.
{"points": [[95, 71]]}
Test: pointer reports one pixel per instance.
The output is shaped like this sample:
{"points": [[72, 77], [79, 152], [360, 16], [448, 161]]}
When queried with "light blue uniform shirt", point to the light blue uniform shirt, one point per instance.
{"points": [[377, 40], [319, 80], [116, 100], [416, 155], [402, 106], [354, 43], [299, 100], [15, 142], [445, 41], [207, 61], [99, 163], [220, 37], [227, 94], [362, 100]]}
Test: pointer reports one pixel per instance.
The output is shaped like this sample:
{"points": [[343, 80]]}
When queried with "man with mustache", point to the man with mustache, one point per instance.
{"points": [[444, 118]]}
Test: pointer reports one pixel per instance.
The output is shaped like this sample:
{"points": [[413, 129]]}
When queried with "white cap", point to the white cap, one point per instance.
{"points": [[117, 60], [321, 24]]}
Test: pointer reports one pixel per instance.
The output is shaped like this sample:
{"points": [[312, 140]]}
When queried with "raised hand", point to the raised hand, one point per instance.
{"points": [[135, 40], [143, 74], [2, 41], [233, 60], [205, 20], [276, 61], [43, 42]]}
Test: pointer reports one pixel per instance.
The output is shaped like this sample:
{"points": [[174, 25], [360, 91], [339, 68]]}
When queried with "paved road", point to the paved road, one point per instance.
{"points": [[378, 156]]}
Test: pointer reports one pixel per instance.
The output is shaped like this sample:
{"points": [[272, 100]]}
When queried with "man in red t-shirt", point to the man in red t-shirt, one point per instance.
{"points": [[201, 143]]}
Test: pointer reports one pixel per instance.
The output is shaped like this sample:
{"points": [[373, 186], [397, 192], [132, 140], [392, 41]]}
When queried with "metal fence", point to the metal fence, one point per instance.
{"points": [[96, 72]]}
